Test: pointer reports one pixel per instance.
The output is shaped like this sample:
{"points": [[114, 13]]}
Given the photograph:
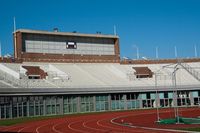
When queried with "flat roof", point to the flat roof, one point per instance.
{"points": [[100, 90], [65, 33]]}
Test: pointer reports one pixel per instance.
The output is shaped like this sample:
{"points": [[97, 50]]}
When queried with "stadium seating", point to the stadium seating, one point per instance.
{"points": [[84, 75]]}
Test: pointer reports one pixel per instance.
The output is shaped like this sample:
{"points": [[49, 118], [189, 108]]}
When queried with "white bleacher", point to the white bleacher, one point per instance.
{"points": [[9, 80], [79, 77], [9, 71], [38, 83], [83, 75], [3, 84], [195, 66], [55, 73], [14, 66], [102, 73]]}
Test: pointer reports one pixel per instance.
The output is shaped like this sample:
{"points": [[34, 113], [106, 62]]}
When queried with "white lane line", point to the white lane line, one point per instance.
{"points": [[10, 128], [113, 128], [77, 130], [37, 129], [148, 128], [21, 129], [86, 122], [54, 127]]}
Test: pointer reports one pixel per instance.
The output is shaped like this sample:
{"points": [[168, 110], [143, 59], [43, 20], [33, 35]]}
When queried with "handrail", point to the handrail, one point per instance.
{"points": [[192, 71]]}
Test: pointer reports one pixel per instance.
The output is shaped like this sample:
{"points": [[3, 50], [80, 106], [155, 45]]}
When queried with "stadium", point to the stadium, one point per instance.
{"points": [[59, 73]]}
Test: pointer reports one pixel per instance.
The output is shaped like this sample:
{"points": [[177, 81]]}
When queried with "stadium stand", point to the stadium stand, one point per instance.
{"points": [[48, 76], [79, 75]]}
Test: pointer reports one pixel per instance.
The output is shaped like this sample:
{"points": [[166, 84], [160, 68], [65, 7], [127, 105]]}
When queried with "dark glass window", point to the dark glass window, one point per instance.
{"points": [[71, 45]]}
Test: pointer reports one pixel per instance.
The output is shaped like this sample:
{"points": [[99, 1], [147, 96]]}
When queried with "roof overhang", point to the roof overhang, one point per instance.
{"points": [[66, 33], [100, 90]]}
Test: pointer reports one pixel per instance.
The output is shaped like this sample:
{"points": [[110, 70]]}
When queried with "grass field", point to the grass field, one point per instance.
{"points": [[9, 122], [191, 129]]}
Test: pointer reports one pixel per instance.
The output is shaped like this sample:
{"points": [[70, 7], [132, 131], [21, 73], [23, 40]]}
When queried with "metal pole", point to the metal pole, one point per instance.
{"points": [[156, 52], [195, 51], [177, 113], [0, 49], [115, 30], [137, 52], [175, 51], [157, 98], [176, 96], [14, 24]]}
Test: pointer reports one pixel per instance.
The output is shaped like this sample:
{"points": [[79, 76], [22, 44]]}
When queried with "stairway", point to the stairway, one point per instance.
{"points": [[191, 70], [9, 79]]}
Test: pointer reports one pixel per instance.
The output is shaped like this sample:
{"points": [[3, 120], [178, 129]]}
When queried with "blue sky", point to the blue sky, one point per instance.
{"points": [[144, 23]]}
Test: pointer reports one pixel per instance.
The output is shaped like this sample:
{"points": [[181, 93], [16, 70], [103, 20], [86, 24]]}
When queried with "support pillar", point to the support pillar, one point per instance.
{"points": [[140, 101], [78, 104], [17, 110], [22, 109], [5, 111], [125, 102], [28, 110], [109, 102], [34, 108], [94, 101], [191, 98], [61, 105], [11, 116], [44, 107], [0, 111]]}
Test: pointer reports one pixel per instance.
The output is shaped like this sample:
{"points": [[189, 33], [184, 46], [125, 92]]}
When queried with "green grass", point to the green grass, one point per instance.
{"points": [[196, 129], [14, 121], [9, 122]]}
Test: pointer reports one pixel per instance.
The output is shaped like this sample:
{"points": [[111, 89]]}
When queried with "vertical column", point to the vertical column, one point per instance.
{"points": [[0, 111], [39, 108], [61, 105], [140, 101], [10, 111], [198, 96], [5, 112], [125, 102], [191, 98], [17, 109], [181, 97], [94, 101], [78, 104], [34, 108], [186, 98], [135, 98], [44, 106], [115, 101], [157, 100], [22, 109], [55, 101], [51, 110], [164, 102], [174, 99], [28, 110], [71, 104], [109, 102]]}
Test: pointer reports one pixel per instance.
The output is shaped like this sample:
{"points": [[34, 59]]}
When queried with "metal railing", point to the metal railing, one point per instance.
{"points": [[9, 79], [191, 70]]}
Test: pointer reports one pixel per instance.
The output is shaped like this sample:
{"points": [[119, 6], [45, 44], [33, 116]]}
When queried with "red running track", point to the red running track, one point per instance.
{"points": [[142, 121]]}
